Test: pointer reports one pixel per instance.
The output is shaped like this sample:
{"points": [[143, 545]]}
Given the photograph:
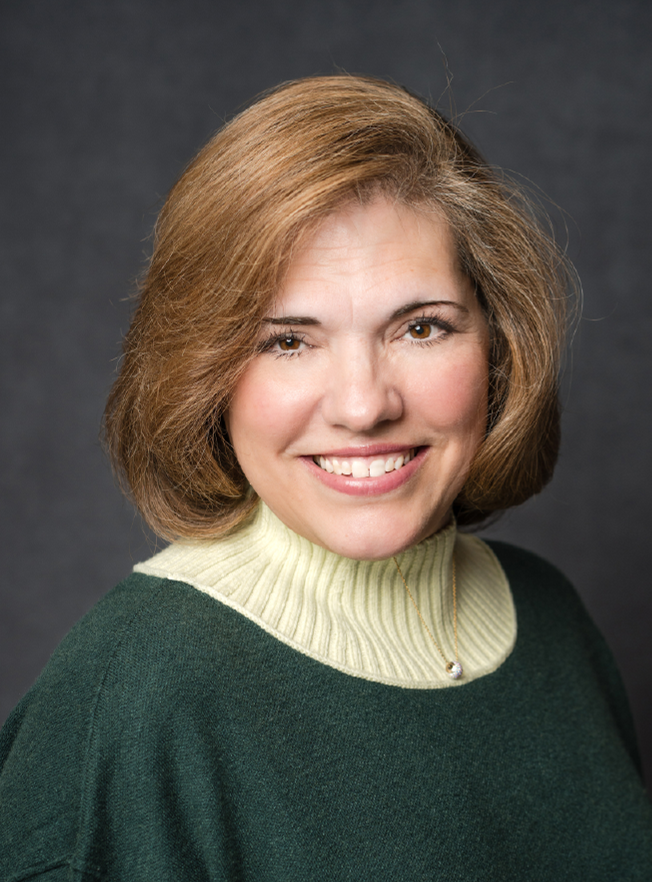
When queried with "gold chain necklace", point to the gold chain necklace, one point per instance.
{"points": [[453, 669]]}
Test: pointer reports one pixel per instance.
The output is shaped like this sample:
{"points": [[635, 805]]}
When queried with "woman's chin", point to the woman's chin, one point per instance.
{"points": [[373, 541]]}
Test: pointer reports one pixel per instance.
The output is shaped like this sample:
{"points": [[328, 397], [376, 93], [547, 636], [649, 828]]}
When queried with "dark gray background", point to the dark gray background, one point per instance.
{"points": [[103, 103]]}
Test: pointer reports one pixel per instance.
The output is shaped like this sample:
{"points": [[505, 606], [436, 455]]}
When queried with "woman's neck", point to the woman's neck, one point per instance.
{"points": [[356, 615]]}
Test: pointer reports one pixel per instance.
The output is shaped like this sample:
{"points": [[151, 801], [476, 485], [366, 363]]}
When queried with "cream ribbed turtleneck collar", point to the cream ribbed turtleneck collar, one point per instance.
{"points": [[355, 615]]}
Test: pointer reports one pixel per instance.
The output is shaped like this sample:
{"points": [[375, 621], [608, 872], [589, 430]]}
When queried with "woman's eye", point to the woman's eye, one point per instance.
{"points": [[420, 331], [283, 344], [289, 344], [429, 330]]}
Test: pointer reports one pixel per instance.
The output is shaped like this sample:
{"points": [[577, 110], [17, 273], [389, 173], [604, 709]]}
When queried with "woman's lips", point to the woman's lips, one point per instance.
{"points": [[364, 466], [367, 479]]}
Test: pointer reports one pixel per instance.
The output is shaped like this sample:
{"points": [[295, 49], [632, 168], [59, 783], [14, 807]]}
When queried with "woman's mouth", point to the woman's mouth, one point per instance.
{"points": [[364, 466]]}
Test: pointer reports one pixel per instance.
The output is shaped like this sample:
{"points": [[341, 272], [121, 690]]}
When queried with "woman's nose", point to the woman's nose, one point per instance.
{"points": [[361, 392]]}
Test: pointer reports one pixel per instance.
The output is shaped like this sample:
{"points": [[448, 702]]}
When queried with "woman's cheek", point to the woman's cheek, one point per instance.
{"points": [[266, 408], [455, 395]]}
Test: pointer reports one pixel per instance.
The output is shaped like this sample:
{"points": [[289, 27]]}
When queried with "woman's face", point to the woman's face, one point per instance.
{"points": [[358, 420]]}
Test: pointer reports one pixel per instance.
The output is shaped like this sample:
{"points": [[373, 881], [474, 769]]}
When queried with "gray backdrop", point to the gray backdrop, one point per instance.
{"points": [[102, 104]]}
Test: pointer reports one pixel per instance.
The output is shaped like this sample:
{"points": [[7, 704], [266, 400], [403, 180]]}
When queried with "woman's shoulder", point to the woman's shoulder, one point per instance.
{"points": [[546, 601], [119, 684], [130, 636], [556, 632], [150, 642]]}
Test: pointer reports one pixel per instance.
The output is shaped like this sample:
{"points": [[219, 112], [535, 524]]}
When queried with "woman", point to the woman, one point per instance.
{"points": [[347, 343]]}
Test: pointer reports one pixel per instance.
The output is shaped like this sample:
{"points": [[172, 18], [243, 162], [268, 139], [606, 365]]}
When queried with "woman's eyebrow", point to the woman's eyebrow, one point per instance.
{"points": [[419, 304], [292, 320], [403, 310]]}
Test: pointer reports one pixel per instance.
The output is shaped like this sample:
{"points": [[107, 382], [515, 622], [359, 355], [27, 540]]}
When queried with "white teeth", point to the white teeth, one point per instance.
{"points": [[362, 467]]}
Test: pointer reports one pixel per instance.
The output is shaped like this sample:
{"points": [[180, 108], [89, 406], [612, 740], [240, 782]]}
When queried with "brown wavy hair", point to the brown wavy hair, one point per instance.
{"points": [[223, 241]]}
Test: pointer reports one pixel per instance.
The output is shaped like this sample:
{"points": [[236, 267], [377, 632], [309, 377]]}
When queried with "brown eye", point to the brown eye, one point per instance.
{"points": [[289, 344], [420, 332]]}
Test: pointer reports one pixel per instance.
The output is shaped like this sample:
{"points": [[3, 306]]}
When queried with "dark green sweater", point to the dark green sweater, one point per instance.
{"points": [[171, 738]]}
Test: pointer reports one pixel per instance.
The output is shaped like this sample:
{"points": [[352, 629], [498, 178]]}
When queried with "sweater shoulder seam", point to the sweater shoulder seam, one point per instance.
{"points": [[92, 723]]}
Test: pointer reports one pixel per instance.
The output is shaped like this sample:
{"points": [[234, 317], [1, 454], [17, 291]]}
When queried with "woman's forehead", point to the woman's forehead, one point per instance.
{"points": [[382, 249]]}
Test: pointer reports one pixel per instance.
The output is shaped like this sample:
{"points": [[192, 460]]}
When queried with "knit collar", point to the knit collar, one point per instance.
{"points": [[355, 615]]}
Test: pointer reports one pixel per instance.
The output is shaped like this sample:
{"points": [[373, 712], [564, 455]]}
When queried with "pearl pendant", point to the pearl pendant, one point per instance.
{"points": [[454, 670]]}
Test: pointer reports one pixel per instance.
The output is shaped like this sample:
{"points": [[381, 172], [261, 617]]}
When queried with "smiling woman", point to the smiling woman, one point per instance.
{"points": [[358, 421], [250, 202], [346, 345]]}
